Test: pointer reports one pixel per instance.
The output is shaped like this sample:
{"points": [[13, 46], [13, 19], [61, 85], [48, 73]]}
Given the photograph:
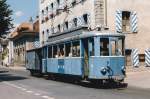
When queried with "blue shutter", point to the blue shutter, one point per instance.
{"points": [[88, 18], [133, 22], [79, 21], [119, 21]]}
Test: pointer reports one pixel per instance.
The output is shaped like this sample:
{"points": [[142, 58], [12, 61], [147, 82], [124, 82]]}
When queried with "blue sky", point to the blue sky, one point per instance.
{"points": [[23, 9]]}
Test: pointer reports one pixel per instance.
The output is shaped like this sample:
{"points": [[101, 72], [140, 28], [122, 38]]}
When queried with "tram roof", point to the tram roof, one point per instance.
{"points": [[80, 33]]}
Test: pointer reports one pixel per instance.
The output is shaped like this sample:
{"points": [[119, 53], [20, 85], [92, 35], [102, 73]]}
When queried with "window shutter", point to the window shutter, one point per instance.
{"points": [[64, 27], [133, 22], [82, 20], [70, 24], [55, 8], [119, 21], [88, 18], [79, 21]]}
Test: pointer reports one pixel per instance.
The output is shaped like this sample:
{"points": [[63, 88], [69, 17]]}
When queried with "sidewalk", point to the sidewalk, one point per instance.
{"points": [[138, 77], [130, 69], [22, 68]]}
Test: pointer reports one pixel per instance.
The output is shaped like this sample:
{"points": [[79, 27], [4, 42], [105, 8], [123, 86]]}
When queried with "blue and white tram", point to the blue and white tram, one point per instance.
{"points": [[94, 55]]}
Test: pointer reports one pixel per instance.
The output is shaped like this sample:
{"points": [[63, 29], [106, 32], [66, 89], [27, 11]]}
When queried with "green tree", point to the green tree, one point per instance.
{"points": [[5, 17]]}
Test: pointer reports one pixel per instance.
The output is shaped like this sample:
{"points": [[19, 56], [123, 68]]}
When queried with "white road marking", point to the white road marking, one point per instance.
{"points": [[46, 97], [28, 91], [37, 94], [23, 89]]}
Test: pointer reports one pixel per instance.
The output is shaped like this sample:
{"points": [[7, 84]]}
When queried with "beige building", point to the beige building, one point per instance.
{"points": [[62, 15], [24, 37], [130, 17]]}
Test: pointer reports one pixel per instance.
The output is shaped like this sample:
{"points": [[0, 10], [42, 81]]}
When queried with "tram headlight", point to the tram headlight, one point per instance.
{"points": [[103, 70], [123, 69]]}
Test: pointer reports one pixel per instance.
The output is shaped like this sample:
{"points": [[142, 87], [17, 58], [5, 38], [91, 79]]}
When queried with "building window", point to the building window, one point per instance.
{"points": [[47, 31], [58, 2], [42, 12], [126, 21], [46, 8], [52, 5], [59, 28], [66, 25], [75, 22], [74, 3], [85, 17]]}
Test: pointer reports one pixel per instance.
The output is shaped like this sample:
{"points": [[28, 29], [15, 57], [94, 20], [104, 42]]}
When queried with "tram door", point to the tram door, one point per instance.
{"points": [[86, 57]]}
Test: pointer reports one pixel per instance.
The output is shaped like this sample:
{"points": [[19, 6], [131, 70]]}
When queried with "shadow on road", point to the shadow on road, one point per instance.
{"points": [[5, 76], [97, 85], [4, 71]]}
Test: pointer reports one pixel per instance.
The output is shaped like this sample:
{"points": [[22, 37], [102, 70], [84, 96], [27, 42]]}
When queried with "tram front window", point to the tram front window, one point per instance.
{"points": [[104, 46], [117, 47]]}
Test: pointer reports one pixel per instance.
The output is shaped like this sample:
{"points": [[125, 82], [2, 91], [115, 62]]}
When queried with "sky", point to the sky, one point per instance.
{"points": [[23, 10]]}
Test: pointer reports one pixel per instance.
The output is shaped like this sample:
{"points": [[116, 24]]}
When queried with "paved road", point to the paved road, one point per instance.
{"points": [[20, 85]]}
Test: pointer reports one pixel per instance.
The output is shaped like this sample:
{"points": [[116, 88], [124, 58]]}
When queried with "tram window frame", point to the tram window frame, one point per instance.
{"points": [[76, 49], [114, 47], [122, 52], [103, 51], [61, 50], [44, 51], [50, 54], [68, 49], [55, 51], [91, 47]]}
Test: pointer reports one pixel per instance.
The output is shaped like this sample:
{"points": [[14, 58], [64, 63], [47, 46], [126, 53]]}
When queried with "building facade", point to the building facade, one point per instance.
{"points": [[130, 17], [24, 37], [62, 15]]}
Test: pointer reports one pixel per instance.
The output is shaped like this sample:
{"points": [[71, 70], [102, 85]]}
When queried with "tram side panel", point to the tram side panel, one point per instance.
{"points": [[71, 66], [33, 59], [107, 68], [30, 60]]}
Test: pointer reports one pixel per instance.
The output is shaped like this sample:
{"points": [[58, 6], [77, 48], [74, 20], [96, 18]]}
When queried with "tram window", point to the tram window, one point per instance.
{"points": [[61, 50], [91, 46], [113, 48], [55, 51], [120, 46], [104, 47], [68, 50], [76, 49], [50, 52]]}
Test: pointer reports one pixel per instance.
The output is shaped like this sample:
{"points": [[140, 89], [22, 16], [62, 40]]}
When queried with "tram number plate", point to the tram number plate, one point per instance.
{"points": [[60, 62]]}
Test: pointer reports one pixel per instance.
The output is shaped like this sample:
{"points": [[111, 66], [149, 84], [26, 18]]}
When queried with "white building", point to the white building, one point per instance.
{"points": [[62, 15]]}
